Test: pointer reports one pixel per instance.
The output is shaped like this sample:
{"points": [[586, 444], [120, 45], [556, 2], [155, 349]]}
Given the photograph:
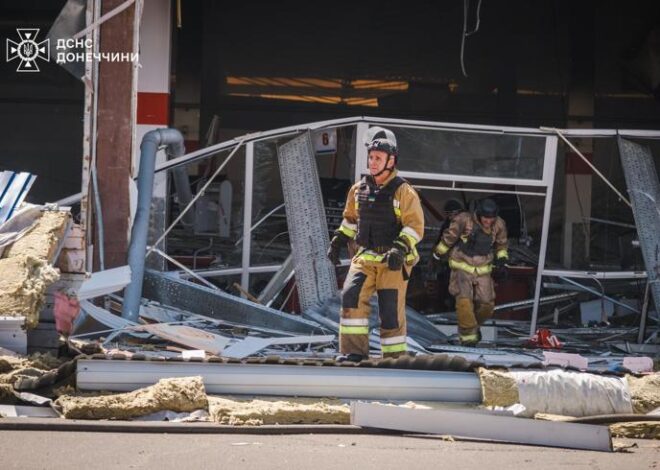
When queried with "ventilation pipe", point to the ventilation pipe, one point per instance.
{"points": [[151, 141]]}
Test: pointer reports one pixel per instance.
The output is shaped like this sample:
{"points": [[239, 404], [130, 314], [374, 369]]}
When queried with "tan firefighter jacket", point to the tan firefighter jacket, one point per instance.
{"points": [[457, 238], [408, 210]]}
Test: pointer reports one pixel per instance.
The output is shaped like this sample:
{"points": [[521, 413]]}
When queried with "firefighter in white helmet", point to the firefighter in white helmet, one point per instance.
{"points": [[384, 216]]}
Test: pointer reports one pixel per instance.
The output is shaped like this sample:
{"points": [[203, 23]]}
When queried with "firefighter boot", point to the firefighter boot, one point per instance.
{"points": [[350, 358], [468, 329], [484, 311]]}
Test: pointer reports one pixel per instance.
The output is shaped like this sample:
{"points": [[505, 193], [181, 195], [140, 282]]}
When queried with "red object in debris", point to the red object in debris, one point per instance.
{"points": [[543, 338], [65, 311]]}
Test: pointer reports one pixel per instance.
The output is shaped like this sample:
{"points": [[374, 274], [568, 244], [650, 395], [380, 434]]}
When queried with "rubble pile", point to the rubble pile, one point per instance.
{"points": [[164, 358]]}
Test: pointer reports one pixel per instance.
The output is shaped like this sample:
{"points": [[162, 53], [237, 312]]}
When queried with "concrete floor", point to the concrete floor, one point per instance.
{"points": [[103, 450]]}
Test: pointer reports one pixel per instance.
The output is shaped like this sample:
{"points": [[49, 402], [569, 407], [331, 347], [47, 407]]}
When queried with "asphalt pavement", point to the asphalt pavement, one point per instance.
{"points": [[48, 449]]}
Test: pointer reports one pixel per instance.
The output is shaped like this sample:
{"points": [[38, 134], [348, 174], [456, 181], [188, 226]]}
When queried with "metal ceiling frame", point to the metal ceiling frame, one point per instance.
{"points": [[366, 120]]}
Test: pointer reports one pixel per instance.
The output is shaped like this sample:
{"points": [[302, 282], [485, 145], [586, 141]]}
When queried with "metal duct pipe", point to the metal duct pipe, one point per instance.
{"points": [[137, 248]]}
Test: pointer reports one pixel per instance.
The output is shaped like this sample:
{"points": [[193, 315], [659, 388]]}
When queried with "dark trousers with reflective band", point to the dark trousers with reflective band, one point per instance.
{"points": [[475, 300], [363, 279]]}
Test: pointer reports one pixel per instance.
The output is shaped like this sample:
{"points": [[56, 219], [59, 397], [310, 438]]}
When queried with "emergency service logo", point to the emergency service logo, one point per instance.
{"points": [[28, 50]]}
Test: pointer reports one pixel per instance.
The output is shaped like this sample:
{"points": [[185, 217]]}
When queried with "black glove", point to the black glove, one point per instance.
{"points": [[500, 263], [499, 266], [395, 258], [439, 263], [431, 273], [397, 255], [336, 243], [432, 269]]}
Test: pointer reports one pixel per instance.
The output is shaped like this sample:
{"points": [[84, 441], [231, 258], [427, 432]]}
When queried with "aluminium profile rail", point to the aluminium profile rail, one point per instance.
{"points": [[284, 380], [476, 424]]}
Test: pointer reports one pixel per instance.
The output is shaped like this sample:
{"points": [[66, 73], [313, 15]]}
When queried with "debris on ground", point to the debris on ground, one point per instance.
{"points": [[559, 376], [176, 394], [556, 391], [623, 447], [553, 417], [498, 387], [36, 372], [264, 410], [645, 392], [12, 367], [636, 430], [492, 426]]}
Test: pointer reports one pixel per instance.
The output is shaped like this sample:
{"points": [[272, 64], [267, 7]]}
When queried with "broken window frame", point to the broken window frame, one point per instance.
{"points": [[570, 275], [544, 184]]}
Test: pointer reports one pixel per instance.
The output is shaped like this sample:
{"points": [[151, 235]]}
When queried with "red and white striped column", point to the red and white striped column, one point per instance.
{"points": [[153, 100]]}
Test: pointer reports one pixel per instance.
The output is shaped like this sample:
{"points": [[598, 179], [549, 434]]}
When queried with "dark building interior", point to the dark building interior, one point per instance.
{"points": [[259, 65]]}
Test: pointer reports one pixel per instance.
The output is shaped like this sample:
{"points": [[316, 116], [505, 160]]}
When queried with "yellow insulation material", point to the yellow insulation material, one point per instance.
{"points": [[23, 285], [42, 240], [498, 388], [644, 392], [13, 368], [636, 430], [26, 272], [181, 394], [260, 411]]}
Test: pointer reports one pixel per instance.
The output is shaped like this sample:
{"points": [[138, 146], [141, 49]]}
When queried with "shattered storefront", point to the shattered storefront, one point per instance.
{"points": [[247, 305], [569, 211]]}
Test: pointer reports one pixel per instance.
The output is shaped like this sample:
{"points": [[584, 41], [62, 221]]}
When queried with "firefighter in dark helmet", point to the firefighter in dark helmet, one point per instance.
{"points": [[474, 245]]}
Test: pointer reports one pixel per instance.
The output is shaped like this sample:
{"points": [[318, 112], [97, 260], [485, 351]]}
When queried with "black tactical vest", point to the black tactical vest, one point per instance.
{"points": [[478, 243], [378, 226]]}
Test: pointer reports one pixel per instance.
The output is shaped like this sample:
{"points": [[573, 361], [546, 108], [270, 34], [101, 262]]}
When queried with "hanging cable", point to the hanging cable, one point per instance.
{"points": [[476, 26], [466, 33]]}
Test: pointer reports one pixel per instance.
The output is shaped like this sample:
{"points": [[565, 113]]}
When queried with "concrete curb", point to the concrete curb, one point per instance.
{"points": [[59, 424]]}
